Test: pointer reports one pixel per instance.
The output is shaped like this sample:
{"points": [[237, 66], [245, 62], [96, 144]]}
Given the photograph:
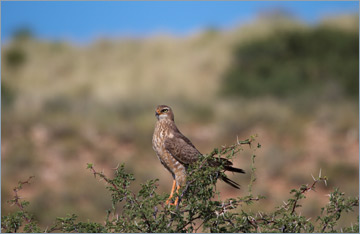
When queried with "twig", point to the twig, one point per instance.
{"points": [[102, 176], [306, 189], [17, 198]]}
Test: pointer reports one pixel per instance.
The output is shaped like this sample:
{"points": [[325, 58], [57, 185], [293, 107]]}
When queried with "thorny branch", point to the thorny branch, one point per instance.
{"points": [[305, 189], [226, 149], [107, 180], [17, 198], [100, 174]]}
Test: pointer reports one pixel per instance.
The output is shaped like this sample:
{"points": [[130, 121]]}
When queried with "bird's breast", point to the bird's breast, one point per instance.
{"points": [[158, 139], [161, 133]]}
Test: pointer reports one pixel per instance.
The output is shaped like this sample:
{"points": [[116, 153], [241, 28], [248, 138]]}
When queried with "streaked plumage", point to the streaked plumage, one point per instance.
{"points": [[176, 152]]}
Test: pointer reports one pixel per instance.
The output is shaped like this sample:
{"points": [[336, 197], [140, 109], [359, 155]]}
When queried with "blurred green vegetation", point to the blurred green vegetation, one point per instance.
{"points": [[22, 33], [289, 62], [15, 57], [7, 95]]}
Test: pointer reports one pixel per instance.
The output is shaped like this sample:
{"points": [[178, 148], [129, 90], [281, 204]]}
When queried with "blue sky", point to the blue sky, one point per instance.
{"points": [[85, 21]]}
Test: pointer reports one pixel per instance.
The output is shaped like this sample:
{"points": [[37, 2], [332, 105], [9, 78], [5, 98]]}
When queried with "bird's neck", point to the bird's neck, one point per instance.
{"points": [[168, 124]]}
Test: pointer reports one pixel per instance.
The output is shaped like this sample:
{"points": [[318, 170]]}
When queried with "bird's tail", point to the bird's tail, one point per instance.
{"points": [[227, 165], [230, 182], [233, 169]]}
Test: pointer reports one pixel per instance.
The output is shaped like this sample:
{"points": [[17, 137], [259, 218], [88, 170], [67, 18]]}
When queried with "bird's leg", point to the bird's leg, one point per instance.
{"points": [[171, 193]]}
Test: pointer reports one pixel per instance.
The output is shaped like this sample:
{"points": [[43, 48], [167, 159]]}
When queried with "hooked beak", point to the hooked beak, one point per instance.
{"points": [[157, 115]]}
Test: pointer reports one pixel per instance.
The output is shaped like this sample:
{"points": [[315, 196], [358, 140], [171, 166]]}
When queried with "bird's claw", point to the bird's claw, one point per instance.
{"points": [[172, 203]]}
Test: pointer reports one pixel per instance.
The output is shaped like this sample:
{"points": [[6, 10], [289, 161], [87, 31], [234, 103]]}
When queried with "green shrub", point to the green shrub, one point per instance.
{"points": [[8, 95], [15, 57], [22, 33], [199, 207], [290, 62]]}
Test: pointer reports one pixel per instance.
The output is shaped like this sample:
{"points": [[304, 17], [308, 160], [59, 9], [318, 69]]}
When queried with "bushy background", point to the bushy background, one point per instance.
{"points": [[295, 85]]}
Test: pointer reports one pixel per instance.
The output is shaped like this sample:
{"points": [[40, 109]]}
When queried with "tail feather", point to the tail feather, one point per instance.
{"points": [[228, 167], [230, 182], [234, 169]]}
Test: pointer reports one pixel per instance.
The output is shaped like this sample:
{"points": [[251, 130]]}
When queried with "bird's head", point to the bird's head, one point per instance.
{"points": [[164, 112]]}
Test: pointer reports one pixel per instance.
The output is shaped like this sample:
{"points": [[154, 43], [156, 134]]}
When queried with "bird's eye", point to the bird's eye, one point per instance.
{"points": [[164, 110]]}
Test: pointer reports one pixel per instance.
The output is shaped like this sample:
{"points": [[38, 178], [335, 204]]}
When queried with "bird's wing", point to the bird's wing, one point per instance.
{"points": [[182, 149]]}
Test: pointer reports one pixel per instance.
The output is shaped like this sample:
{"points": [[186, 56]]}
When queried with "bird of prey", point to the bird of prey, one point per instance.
{"points": [[176, 152]]}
